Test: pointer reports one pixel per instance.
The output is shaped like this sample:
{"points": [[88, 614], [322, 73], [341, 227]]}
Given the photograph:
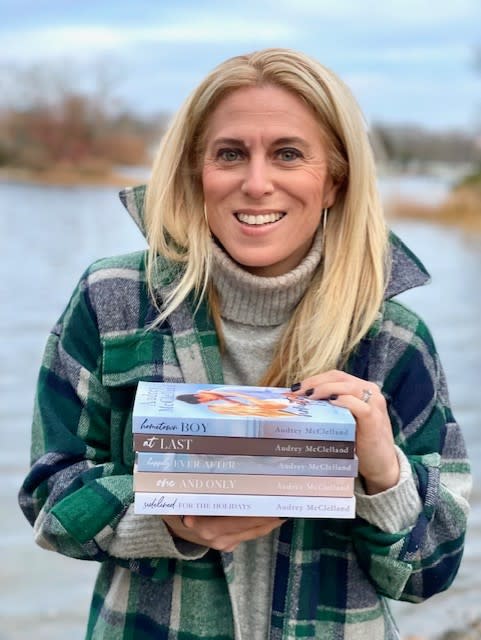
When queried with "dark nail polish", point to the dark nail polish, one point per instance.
{"points": [[333, 397], [310, 391], [296, 386]]}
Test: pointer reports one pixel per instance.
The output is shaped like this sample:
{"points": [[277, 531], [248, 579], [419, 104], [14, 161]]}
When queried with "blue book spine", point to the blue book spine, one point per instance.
{"points": [[243, 428], [241, 464]]}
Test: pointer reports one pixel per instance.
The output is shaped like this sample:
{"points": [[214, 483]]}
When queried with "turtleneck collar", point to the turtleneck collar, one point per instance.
{"points": [[257, 300]]}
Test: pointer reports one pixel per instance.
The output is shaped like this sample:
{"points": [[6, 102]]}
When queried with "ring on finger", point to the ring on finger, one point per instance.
{"points": [[366, 395]]}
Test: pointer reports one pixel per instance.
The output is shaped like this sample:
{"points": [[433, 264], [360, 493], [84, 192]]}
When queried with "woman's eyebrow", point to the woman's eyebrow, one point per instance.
{"points": [[229, 141], [286, 140], [291, 140]]}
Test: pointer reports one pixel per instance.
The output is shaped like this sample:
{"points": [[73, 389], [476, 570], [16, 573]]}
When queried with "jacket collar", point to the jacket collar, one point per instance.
{"points": [[407, 271]]}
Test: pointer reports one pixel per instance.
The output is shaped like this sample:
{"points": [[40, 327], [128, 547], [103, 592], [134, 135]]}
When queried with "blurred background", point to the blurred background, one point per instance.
{"points": [[86, 90]]}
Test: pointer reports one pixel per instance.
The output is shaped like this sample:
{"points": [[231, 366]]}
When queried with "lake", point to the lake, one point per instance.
{"points": [[47, 238]]}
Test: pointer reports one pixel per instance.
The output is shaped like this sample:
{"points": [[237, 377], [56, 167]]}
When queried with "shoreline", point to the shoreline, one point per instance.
{"points": [[461, 208], [69, 178], [470, 631]]}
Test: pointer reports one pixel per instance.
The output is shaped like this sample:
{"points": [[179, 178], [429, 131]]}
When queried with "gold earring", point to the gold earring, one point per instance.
{"points": [[325, 212]]}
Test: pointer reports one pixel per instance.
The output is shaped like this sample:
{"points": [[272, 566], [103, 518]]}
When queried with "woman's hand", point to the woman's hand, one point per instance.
{"points": [[378, 463], [223, 533]]}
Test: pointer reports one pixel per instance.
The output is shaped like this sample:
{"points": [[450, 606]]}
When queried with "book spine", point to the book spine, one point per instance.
{"points": [[263, 465], [244, 428], [245, 446], [244, 484], [252, 505]]}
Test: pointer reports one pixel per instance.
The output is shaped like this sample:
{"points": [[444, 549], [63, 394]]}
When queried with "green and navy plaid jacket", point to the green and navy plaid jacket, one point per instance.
{"points": [[332, 578]]}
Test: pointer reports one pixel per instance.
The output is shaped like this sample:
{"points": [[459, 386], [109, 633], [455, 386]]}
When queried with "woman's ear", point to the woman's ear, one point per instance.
{"points": [[331, 194]]}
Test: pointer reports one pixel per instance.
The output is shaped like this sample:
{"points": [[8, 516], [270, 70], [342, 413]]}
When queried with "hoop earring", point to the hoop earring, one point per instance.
{"points": [[325, 213], [205, 215]]}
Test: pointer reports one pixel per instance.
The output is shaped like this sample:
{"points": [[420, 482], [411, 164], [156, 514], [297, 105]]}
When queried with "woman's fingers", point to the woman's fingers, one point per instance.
{"points": [[223, 533], [335, 383], [378, 463]]}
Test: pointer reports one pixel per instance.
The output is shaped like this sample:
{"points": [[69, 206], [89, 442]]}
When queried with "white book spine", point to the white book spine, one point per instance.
{"points": [[246, 505]]}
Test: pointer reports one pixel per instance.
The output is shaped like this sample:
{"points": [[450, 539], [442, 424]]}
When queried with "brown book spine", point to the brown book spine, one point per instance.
{"points": [[224, 445], [219, 483]]}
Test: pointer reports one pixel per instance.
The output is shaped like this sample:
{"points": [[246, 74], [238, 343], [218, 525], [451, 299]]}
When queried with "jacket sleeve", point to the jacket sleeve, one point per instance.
{"points": [[410, 539], [78, 495]]}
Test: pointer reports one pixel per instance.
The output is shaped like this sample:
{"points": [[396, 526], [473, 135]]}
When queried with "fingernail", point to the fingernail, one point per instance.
{"points": [[310, 391], [296, 386], [333, 396]]}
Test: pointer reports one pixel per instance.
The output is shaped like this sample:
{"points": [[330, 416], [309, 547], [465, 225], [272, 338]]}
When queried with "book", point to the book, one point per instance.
{"points": [[226, 445], [237, 505], [268, 465], [228, 410], [274, 485]]}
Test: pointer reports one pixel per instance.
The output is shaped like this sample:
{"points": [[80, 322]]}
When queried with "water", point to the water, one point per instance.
{"points": [[47, 238]]}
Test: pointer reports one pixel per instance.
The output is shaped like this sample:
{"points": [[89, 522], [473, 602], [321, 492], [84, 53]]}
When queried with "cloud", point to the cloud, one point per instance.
{"points": [[373, 12], [414, 54], [89, 40], [390, 54]]}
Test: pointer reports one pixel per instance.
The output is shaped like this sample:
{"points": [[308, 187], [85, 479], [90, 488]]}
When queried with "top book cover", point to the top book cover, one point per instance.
{"points": [[239, 411]]}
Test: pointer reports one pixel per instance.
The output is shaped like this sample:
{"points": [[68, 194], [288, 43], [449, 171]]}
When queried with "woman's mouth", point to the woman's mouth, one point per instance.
{"points": [[259, 218]]}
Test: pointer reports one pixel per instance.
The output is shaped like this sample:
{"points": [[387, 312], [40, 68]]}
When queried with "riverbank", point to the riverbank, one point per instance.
{"points": [[460, 208], [71, 177], [472, 631]]}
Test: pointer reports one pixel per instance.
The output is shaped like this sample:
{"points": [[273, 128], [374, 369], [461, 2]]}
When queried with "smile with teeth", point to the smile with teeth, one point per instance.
{"points": [[264, 218]]}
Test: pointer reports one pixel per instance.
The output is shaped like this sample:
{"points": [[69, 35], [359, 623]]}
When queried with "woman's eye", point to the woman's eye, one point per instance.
{"points": [[229, 155], [288, 155]]}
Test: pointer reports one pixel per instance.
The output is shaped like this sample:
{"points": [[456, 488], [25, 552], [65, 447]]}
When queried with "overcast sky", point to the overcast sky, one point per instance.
{"points": [[406, 61]]}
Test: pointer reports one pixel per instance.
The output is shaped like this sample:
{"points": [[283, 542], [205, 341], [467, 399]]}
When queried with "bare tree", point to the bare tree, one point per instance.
{"points": [[69, 115]]}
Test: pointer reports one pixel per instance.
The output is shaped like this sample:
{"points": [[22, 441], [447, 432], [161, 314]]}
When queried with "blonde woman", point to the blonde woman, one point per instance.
{"points": [[269, 262]]}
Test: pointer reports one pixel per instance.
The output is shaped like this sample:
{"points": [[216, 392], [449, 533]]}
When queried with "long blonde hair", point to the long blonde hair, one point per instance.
{"points": [[345, 294]]}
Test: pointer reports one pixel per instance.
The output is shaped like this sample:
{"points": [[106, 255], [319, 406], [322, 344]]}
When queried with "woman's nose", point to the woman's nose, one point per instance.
{"points": [[257, 180]]}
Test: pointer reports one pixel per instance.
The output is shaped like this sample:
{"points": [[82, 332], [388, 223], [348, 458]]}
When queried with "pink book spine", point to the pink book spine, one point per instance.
{"points": [[327, 486]]}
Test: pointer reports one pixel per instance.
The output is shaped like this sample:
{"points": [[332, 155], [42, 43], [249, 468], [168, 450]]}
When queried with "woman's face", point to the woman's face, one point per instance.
{"points": [[265, 178]]}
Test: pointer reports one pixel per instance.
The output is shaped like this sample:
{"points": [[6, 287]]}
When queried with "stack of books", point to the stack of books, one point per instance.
{"points": [[204, 449]]}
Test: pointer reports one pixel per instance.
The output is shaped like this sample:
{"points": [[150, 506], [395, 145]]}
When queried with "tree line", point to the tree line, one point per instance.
{"points": [[47, 121]]}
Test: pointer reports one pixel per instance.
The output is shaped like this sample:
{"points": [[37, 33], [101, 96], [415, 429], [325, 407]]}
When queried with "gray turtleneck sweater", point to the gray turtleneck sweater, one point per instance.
{"points": [[254, 311]]}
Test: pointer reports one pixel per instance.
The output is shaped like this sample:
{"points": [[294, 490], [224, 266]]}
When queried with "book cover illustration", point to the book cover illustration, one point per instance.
{"points": [[229, 410]]}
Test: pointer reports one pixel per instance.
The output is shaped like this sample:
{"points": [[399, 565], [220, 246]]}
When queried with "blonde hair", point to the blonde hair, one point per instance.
{"points": [[346, 292]]}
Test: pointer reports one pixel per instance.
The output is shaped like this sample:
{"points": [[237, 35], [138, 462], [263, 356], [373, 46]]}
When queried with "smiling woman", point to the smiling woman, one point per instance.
{"points": [[265, 178], [270, 263]]}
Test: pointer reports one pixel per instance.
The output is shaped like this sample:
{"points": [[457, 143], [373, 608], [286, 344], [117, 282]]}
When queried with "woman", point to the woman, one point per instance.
{"points": [[269, 262], [238, 403]]}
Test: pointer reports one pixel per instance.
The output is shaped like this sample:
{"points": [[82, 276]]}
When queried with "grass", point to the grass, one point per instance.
{"points": [[462, 208], [66, 177]]}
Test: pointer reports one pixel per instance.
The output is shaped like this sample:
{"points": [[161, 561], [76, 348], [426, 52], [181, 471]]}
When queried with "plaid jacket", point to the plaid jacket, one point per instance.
{"points": [[332, 578]]}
